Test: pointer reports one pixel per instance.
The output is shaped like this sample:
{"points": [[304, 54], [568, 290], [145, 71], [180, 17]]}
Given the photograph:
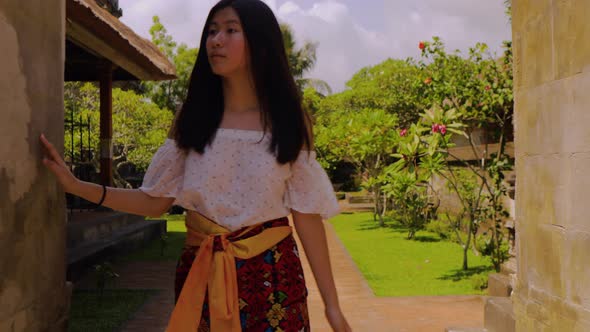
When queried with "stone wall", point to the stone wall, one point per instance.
{"points": [[552, 122], [450, 203], [33, 291]]}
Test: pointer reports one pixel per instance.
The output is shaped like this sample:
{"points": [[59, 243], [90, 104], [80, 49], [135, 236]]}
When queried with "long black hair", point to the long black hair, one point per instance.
{"points": [[280, 100]]}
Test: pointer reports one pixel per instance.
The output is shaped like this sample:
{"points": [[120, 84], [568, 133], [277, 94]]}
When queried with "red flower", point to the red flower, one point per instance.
{"points": [[428, 80], [488, 87], [435, 128], [443, 129], [421, 45], [403, 132]]}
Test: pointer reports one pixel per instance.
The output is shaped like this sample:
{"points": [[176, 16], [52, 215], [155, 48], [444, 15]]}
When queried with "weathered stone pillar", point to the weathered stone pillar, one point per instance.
{"points": [[33, 291], [552, 126]]}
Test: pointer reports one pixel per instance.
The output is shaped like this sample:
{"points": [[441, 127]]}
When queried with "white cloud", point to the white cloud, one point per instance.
{"points": [[289, 8], [460, 23], [341, 27], [184, 19], [344, 45], [330, 11]]}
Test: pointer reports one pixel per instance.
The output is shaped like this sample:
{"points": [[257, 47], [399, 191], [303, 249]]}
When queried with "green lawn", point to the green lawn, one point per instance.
{"points": [[153, 251], [395, 266], [92, 313]]}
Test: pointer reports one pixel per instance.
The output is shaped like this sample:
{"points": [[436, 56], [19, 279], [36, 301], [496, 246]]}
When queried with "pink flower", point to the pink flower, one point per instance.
{"points": [[403, 132], [443, 129], [435, 128], [488, 87]]}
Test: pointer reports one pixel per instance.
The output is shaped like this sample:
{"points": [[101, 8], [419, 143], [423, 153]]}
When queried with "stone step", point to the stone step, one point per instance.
{"points": [[360, 200], [499, 315], [124, 239], [499, 285], [347, 207]]}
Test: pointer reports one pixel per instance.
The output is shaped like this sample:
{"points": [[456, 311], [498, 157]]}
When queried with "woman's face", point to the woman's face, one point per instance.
{"points": [[226, 44]]}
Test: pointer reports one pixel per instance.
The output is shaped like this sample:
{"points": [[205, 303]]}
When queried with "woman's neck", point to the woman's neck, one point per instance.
{"points": [[239, 94]]}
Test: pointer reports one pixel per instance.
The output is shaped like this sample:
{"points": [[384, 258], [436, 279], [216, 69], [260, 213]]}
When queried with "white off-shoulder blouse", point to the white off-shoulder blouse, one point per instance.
{"points": [[237, 182]]}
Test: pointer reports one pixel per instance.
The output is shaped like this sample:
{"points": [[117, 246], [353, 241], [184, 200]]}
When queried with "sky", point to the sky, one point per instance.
{"points": [[351, 34]]}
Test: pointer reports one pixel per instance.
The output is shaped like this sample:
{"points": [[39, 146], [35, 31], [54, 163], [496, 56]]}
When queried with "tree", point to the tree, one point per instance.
{"points": [[311, 100], [301, 61], [480, 89], [420, 156], [391, 86], [139, 127], [364, 138], [171, 94], [508, 5]]}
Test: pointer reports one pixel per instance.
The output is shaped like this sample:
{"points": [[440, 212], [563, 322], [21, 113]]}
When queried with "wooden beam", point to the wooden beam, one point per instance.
{"points": [[87, 40]]}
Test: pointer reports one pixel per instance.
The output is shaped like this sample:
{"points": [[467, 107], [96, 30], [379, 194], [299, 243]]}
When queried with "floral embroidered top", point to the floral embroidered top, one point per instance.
{"points": [[237, 182]]}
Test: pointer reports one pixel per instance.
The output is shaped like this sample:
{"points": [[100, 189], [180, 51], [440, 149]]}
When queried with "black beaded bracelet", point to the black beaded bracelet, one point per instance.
{"points": [[104, 194]]}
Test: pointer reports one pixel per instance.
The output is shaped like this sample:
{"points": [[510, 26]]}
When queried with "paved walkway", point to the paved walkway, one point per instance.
{"points": [[364, 311]]}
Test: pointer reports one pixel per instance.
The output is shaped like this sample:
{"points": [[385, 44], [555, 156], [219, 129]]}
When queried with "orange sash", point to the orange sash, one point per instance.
{"points": [[216, 272]]}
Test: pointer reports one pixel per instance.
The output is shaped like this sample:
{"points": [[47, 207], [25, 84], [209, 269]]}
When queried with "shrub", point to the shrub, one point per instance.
{"points": [[440, 227], [479, 281]]}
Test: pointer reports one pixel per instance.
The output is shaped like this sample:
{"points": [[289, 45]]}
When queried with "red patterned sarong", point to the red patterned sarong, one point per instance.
{"points": [[272, 295]]}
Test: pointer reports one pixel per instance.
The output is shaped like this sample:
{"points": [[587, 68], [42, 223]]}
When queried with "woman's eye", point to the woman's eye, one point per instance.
{"points": [[232, 30], [212, 32]]}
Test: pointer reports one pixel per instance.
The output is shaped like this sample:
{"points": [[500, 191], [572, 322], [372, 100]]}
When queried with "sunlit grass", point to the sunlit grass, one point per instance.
{"points": [[176, 234], [396, 266]]}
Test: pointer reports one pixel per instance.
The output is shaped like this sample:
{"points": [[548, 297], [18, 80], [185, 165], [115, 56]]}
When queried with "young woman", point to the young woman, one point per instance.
{"points": [[240, 159]]}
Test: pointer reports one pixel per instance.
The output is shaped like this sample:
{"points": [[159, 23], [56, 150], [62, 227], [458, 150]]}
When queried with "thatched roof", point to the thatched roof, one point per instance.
{"points": [[94, 37]]}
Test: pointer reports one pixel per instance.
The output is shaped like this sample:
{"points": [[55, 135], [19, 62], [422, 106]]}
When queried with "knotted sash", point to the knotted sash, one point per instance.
{"points": [[215, 271]]}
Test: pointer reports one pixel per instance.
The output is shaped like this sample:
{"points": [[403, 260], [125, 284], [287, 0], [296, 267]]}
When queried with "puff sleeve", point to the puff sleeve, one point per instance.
{"points": [[309, 189], [165, 174]]}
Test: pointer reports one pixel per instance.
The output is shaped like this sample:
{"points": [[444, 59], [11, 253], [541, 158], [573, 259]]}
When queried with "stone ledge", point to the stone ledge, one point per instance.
{"points": [[94, 227], [499, 285], [127, 238], [499, 315], [465, 329]]}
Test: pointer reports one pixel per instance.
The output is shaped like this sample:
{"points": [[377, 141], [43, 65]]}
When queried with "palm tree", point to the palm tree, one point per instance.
{"points": [[301, 61], [508, 5]]}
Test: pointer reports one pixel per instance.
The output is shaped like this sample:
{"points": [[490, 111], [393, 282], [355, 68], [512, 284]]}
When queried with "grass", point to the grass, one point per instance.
{"points": [[395, 266], [153, 251], [92, 313]]}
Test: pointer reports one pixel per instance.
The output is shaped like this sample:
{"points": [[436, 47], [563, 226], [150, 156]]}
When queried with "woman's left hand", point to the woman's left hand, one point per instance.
{"points": [[337, 320]]}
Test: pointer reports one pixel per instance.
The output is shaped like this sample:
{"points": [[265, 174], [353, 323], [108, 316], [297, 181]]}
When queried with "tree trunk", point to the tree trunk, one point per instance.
{"points": [[467, 242], [375, 205], [378, 208]]}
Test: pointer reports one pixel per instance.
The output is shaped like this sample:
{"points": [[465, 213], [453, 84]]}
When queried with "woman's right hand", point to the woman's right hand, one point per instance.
{"points": [[57, 166], [337, 320]]}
